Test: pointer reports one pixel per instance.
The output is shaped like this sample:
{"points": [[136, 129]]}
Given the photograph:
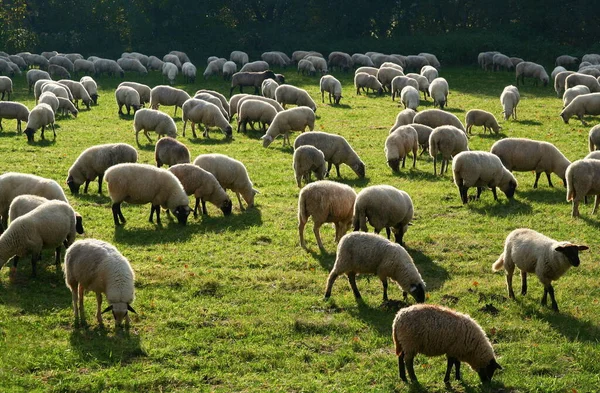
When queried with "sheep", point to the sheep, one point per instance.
{"points": [[214, 100], [94, 161], [325, 201], [204, 186], [189, 72], [500, 60], [509, 99], [255, 66], [308, 159], [229, 68], [19, 61], [319, 63], [221, 98], [49, 54], [438, 90], [409, 96], [58, 89], [422, 82], [585, 104], [14, 110], [432, 59], [255, 79], [478, 117], [399, 143], [255, 111], [593, 138], [274, 59], [592, 70], [268, 88], [206, 113], [239, 57], [386, 75], [58, 72], [522, 155], [306, 67], [5, 68], [423, 133], [429, 72], [386, 207], [154, 63], [388, 64], [142, 90], [595, 155], [481, 169], [533, 252], [332, 86], [40, 61], [95, 265], [215, 67], [368, 70], [379, 58], [6, 86], [403, 118], [85, 66], [449, 141], [50, 99], [559, 82], [531, 70], [583, 178], [591, 58], [360, 252], [173, 59], [169, 71], [288, 94], [40, 116], [234, 102], [107, 66], [133, 65], [294, 119], [153, 120], [436, 118], [231, 174], [182, 56], [573, 92], [168, 96], [400, 82], [35, 75], [341, 60], [556, 71], [169, 151], [362, 60], [582, 79], [566, 61], [91, 87], [269, 101], [435, 330], [50, 225], [78, 91], [129, 97], [336, 150], [363, 81]]}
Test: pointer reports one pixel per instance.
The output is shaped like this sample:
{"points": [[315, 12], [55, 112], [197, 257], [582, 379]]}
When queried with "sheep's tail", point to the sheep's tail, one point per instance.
{"points": [[592, 147], [499, 264], [570, 185], [302, 211]]}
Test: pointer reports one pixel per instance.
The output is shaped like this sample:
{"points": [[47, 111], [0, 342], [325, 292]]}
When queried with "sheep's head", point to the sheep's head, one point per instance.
{"points": [[29, 132], [94, 98], [267, 139], [418, 292], [571, 251], [394, 164], [510, 188], [486, 373], [73, 186], [181, 212], [228, 132], [359, 169], [226, 207], [119, 312], [565, 117], [79, 223]]}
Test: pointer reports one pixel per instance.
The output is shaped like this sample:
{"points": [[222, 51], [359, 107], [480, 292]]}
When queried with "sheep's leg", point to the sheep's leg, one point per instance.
{"points": [[100, 178], [550, 290], [352, 281], [493, 193], [444, 165], [596, 202], [204, 211], [457, 368], [435, 165], [411, 369], [385, 288], [117, 214], [401, 368], [549, 181], [329, 165], [240, 201], [337, 170], [463, 194], [509, 277], [537, 177], [77, 295], [388, 232], [330, 280], [403, 162], [575, 210], [449, 365], [53, 130], [85, 188], [322, 96], [2, 129], [42, 135], [414, 153], [147, 136], [34, 259], [155, 208], [57, 257], [523, 282], [301, 225], [99, 308], [174, 113], [316, 229]]}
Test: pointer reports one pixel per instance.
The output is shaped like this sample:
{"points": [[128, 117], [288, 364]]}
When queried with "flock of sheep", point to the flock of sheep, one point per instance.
{"points": [[44, 219]]}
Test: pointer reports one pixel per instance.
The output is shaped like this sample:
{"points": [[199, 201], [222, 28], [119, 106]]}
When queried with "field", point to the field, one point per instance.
{"points": [[232, 304]]}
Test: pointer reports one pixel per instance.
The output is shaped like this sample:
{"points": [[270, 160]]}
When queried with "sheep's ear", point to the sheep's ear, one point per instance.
{"points": [[413, 288], [255, 191], [582, 247], [130, 308], [107, 309]]}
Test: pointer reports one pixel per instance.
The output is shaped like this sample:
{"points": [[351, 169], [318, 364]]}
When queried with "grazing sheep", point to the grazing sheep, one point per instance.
{"points": [[58, 72], [49, 54], [585, 104], [214, 100], [449, 141], [566, 61], [239, 57], [432, 59], [255, 111], [403, 118], [367, 70], [230, 173], [593, 138], [481, 169], [319, 63], [6, 86], [435, 330], [19, 61], [143, 183], [91, 87], [429, 72], [204, 113], [234, 102], [531, 70], [325, 201], [97, 266], [78, 91], [436, 118], [229, 68], [409, 96], [14, 110], [416, 62], [336, 150], [169, 71], [255, 79], [595, 155], [168, 96], [40, 116], [438, 90], [107, 66], [385, 76], [384, 207], [560, 81], [269, 101], [502, 61], [255, 66], [583, 178], [129, 97], [173, 59], [509, 99], [582, 79], [532, 252], [5, 67], [400, 82], [143, 91], [333, 87], [58, 89], [85, 66], [294, 119], [155, 64], [168, 151], [364, 81], [573, 92], [423, 132], [379, 59], [360, 252], [34, 76], [204, 186], [340, 60], [94, 161], [389, 64], [478, 117], [288, 94], [50, 99], [133, 65], [153, 120], [268, 88], [308, 159], [189, 72], [306, 67], [399, 143], [523, 155], [556, 71], [66, 107], [362, 60], [38, 60], [422, 82], [274, 59]]}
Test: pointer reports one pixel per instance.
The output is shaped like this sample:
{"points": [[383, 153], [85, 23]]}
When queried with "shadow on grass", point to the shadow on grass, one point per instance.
{"points": [[325, 258], [9, 134], [210, 141], [94, 343], [529, 122], [92, 195], [125, 116], [501, 208], [454, 110], [572, 328], [432, 273], [488, 135], [544, 193], [44, 142]]}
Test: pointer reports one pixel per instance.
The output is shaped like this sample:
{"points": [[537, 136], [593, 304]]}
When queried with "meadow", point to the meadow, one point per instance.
{"points": [[234, 304]]}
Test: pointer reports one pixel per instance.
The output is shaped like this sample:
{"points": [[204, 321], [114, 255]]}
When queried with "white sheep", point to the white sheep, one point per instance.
{"points": [[189, 72], [524, 155], [385, 76], [255, 66], [66, 107], [481, 169], [143, 183], [169, 71], [566, 61], [400, 82], [294, 119], [403, 118], [583, 178], [58, 89], [436, 118], [333, 87], [432, 59], [94, 161], [231, 174], [367, 70], [555, 72], [255, 111], [129, 97], [448, 141], [340, 60], [409, 96], [422, 82], [6, 87], [582, 79], [78, 91], [336, 150], [276, 105], [97, 266], [429, 72], [40, 116], [319, 63], [438, 90], [229, 68], [58, 72], [34, 75], [109, 67], [585, 104], [204, 113], [360, 252], [325, 201], [502, 61], [239, 57], [85, 66], [364, 81], [532, 252], [360, 59], [268, 88], [173, 59], [509, 99], [214, 100], [182, 56], [478, 117], [306, 67], [153, 120], [273, 58], [401, 141], [594, 138], [25, 203], [154, 63], [143, 90], [573, 92], [423, 132], [531, 70], [133, 65], [435, 330], [50, 99], [288, 94], [91, 87], [416, 62], [168, 96], [559, 82], [308, 159], [204, 186], [14, 110], [169, 151]]}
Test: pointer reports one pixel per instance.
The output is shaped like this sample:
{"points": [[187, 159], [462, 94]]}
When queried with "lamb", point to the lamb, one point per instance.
{"points": [[133, 65], [585, 104], [206, 113], [91, 87], [95, 265], [204, 186], [107, 66], [386, 75], [583, 178], [189, 72], [295, 119], [423, 133], [363, 81], [13, 184], [306, 67], [239, 57], [438, 90], [593, 138], [14, 110], [573, 92], [288, 94], [332, 86], [403, 118], [255, 111], [509, 99], [478, 117], [142, 90], [154, 63], [409, 96], [449, 141], [6, 86], [153, 120], [169, 71], [325, 201], [255, 66], [230, 173], [399, 143], [94, 161], [336, 150], [268, 88], [384, 207], [435, 330], [169, 151], [129, 97], [34, 76], [436, 118], [49, 225], [360, 252], [566, 61], [78, 91], [531, 70], [559, 82], [255, 79], [85, 66], [481, 169], [582, 79], [308, 159], [523, 155], [50, 99], [400, 82], [40, 116], [533, 252], [229, 68], [168, 96]]}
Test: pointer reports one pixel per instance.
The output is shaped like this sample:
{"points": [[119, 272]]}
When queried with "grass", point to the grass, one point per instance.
{"points": [[234, 304]]}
